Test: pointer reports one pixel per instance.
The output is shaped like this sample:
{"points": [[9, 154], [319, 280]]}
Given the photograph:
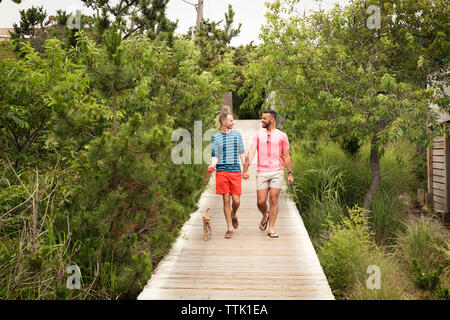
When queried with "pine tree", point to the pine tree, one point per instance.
{"points": [[137, 16], [110, 75], [31, 26], [214, 41]]}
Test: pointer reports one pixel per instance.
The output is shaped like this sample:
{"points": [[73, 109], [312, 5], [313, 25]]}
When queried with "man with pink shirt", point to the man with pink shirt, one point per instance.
{"points": [[273, 151]]}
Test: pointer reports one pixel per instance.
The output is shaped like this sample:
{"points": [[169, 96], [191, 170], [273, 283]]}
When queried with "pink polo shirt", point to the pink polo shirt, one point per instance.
{"points": [[270, 149]]}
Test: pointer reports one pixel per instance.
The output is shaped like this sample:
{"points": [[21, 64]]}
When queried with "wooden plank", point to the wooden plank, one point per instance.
{"points": [[248, 266], [439, 207], [439, 175], [439, 186], [438, 152], [438, 139], [438, 159], [439, 165], [429, 167], [438, 172], [447, 167], [439, 179], [438, 145], [438, 199], [441, 193]]}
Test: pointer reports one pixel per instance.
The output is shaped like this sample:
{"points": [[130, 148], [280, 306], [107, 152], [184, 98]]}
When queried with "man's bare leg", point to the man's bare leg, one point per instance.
{"points": [[227, 210], [235, 206], [273, 211], [261, 196]]}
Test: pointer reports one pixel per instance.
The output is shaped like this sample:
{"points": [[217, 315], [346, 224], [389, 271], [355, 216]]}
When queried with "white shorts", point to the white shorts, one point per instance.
{"points": [[265, 180]]}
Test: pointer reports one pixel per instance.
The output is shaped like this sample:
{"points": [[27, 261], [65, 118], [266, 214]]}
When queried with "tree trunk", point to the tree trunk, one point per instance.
{"points": [[199, 15], [376, 174], [115, 177], [115, 115]]}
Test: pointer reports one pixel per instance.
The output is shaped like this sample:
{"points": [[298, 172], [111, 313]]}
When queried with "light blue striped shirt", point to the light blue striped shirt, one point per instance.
{"points": [[227, 147]]}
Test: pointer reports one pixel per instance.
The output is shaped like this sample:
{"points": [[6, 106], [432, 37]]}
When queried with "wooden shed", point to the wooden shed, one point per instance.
{"points": [[438, 168]]}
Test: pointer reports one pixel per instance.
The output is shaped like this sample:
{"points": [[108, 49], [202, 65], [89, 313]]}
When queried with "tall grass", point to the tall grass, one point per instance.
{"points": [[328, 182], [348, 253], [426, 241], [327, 178], [387, 216], [325, 172], [394, 285]]}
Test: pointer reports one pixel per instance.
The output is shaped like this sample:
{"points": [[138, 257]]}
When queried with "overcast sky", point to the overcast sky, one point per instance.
{"points": [[248, 12]]}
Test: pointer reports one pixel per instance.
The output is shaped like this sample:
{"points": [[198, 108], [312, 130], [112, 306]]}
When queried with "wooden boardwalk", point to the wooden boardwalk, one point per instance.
{"points": [[248, 266]]}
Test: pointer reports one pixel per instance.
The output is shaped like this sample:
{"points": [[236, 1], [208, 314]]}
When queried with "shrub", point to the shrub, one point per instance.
{"points": [[386, 216], [347, 254], [426, 241], [325, 172], [423, 249], [394, 285], [315, 219], [424, 280], [340, 256]]}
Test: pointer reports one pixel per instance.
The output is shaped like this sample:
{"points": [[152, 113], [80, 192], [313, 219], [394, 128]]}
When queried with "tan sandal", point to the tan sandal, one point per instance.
{"points": [[228, 234], [273, 234]]}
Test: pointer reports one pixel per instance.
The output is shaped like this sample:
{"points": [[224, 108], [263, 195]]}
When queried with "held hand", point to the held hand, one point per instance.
{"points": [[245, 175], [290, 179]]}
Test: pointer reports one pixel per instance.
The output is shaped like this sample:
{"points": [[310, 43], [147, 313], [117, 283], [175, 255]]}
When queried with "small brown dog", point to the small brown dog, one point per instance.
{"points": [[206, 225]]}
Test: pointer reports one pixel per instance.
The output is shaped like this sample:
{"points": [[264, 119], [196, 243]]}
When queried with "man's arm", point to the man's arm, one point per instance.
{"points": [[214, 158], [248, 159], [241, 150], [242, 157], [287, 161], [214, 161]]}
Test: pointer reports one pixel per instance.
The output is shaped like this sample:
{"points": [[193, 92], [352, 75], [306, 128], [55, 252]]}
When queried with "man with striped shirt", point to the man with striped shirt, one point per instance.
{"points": [[226, 147]]}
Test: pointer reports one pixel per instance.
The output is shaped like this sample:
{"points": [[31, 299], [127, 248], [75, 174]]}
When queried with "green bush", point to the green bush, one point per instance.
{"points": [[394, 285], [115, 192], [324, 172], [425, 280], [341, 255], [426, 241], [423, 248], [346, 256], [317, 218]]}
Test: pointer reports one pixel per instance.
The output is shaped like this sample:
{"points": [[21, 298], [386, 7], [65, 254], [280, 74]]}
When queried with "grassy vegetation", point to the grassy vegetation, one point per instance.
{"points": [[115, 253], [329, 190]]}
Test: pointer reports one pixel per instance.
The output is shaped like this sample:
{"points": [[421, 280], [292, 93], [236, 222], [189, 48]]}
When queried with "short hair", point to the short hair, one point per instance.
{"points": [[223, 115], [272, 113]]}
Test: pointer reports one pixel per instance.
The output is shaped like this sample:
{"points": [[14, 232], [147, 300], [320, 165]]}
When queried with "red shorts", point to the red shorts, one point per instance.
{"points": [[228, 182]]}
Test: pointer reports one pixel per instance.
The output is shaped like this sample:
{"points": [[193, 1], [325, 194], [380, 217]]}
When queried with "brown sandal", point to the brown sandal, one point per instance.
{"points": [[228, 234], [273, 234]]}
